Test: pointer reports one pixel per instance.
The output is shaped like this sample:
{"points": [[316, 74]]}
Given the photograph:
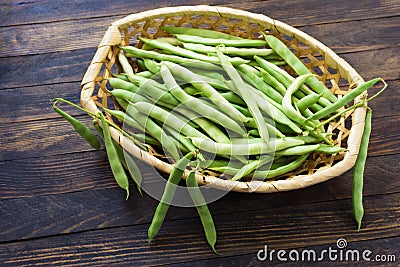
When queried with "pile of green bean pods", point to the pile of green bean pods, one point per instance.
{"points": [[221, 104]]}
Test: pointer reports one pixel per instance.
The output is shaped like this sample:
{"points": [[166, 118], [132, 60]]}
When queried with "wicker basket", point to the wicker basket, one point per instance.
{"points": [[337, 74]]}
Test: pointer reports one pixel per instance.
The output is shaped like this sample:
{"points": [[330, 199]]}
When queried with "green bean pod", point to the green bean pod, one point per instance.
{"points": [[259, 83], [283, 51], [272, 81], [251, 166], [297, 150], [286, 79], [307, 101], [151, 65], [169, 190], [202, 209], [243, 52], [208, 126], [115, 163], [280, 170], [139, 53], [329, 149], [128, 96], [126, 66], [145, 74], [125, 118], [361, 88], [152, 128], [214, 42], [80, 128], [250, 148], [358, 174], [118, 83]]}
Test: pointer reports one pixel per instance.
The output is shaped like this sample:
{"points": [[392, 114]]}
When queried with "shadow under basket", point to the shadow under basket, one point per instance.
{"points": [[333, 71]]}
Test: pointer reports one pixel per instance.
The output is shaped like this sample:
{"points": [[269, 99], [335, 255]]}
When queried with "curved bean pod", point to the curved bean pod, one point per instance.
{"points": [[307, 101], [118, 83], [287, 106]]}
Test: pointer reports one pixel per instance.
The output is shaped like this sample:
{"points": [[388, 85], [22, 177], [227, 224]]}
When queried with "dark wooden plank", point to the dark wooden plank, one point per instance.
{"points": [[84, 195], [70, 66], [320, 12], [16, 13], [384, 136], [34, 103], [350, 36], [375, 63], [70, 35], [45, 69], [383, 253], [51, 137], [183, 240]]}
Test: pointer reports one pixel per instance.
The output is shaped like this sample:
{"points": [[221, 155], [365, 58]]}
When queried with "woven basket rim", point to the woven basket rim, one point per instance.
{"points": [[113, 37]]}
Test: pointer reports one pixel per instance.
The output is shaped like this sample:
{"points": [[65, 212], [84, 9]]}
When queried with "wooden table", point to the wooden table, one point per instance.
{"points": [[59, 204]]}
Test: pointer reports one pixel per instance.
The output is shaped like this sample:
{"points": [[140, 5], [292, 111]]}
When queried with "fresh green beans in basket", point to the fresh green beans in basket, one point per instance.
{"points": [[229, 103]]}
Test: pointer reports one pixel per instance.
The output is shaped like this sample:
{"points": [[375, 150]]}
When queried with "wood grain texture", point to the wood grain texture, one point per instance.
{"points": [[34, 103], [69, 35], [45, 69], [84, 193], [380, 249], [33, 12], [42, 138], [183, 240]]}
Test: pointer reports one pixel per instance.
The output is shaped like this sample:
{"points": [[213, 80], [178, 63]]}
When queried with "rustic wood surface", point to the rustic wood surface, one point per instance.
{"points": [[59, 204]]}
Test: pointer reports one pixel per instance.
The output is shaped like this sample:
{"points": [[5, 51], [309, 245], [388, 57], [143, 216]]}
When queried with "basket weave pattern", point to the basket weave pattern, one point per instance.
{"points": [[338, 76]]}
